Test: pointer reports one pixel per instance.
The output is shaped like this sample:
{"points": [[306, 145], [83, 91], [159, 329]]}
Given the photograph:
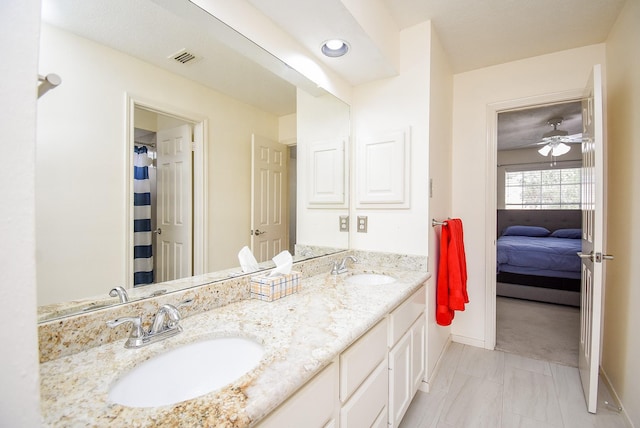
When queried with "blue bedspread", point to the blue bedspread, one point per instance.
{"points": [[539, 256]]}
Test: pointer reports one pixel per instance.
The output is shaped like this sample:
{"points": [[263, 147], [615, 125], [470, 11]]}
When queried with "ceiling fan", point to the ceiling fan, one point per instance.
{"points": [[555, 141]]}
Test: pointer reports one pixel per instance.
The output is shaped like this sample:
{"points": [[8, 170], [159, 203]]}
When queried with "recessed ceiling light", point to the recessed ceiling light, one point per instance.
{"points": [[335, 48]]}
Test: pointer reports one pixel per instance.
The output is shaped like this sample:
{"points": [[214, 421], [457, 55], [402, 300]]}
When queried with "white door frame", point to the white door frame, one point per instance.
{"points": [[491, 183], [200, 132]]}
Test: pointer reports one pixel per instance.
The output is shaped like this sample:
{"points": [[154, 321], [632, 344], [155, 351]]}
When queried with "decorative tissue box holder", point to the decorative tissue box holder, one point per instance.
{"points": [[264, 287]]}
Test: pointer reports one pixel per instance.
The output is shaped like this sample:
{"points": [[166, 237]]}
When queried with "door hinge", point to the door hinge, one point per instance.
{"points": [[193, 146]]}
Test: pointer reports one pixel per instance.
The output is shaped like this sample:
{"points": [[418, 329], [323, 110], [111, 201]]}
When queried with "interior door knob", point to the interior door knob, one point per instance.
{"points": [[258, 232], [586, 256]]}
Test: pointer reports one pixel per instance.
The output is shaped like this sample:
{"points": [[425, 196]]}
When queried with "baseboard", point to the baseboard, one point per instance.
{"points": [[628, 422], [425, 385], [467, 341]]}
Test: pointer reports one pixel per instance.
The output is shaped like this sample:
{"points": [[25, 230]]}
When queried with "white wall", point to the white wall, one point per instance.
{"points": [[19, 394], [396, 104], [319, 119], [440, 129], [472, 92], [81, 193], [621, 351]]}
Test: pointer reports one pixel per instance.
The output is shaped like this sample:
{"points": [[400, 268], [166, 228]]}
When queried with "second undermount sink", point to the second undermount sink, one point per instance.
{"points": [[187, 372], [370, 279]]}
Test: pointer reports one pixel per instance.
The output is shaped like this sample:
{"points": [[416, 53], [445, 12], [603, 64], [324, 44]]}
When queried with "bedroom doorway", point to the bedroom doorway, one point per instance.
{"points": [[538, 160]]}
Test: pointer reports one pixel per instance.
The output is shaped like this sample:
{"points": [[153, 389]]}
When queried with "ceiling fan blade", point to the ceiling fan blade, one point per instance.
{"points": [[575, 138]]}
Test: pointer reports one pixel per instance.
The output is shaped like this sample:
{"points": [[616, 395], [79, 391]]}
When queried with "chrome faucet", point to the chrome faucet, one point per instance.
{"points": [[338, 269], [166, 319], [165, 324], [121, 293]]}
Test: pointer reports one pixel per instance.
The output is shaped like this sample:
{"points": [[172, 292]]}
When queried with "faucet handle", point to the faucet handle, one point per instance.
{"points": [[334, 267], [136, 332]]}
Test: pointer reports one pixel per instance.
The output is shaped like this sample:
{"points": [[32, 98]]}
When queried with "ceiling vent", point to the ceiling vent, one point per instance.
{"points": [[185, 57]]}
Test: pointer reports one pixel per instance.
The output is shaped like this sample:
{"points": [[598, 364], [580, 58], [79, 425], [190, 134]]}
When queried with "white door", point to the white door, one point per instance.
{"points": [[593, 186], [174, 216], [268, 198]]}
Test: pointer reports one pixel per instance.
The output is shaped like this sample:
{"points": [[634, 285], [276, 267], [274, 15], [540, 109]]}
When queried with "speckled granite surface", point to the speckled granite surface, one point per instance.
{"points": [[301, 334]]}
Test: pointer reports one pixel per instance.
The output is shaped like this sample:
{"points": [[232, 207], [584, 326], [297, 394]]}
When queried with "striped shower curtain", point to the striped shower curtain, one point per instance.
{"points": [[142, 236]]}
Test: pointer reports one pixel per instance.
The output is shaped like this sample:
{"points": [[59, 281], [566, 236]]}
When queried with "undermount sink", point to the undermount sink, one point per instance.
{"points": [[370, 279], [187, 372]]}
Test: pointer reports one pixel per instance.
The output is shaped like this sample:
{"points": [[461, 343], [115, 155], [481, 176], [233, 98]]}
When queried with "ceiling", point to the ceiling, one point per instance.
{"points": [[478, 34], [524, 128], [474, 34]]}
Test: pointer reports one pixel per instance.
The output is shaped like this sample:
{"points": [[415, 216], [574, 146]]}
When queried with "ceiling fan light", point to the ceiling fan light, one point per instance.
{"points": [[560, 149], [544, 150]]}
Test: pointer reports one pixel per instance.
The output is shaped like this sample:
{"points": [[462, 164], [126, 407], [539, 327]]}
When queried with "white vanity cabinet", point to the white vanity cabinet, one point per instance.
{"points": [[406, 355], [371, 383], [364, 380], [314, 405]]}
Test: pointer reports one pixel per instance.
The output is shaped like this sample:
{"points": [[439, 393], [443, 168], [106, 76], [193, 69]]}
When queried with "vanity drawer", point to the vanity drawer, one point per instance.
{"points": [[404, 315], [357, 362], [368, 406], [314, 405]]}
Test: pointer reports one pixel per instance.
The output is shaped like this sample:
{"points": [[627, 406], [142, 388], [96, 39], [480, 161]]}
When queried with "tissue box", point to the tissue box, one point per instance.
{"points": [[273, 288]]}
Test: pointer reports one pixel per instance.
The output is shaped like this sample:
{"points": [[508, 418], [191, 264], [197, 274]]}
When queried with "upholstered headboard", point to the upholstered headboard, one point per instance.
{"points": [[551, 219]]}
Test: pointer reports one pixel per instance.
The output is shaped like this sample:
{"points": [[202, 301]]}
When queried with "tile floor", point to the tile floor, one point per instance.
{"points": [[475, 387]]}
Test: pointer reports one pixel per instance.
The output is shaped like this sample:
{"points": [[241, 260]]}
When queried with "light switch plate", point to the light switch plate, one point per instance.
{"points": [[362, 223]]}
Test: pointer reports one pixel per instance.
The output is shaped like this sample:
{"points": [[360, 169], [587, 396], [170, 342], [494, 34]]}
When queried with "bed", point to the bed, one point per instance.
{"points": [[536, 255]]}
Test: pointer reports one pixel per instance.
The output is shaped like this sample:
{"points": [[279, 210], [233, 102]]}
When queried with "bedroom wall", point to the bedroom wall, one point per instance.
{"points": [[472, 92], [621, 351]]}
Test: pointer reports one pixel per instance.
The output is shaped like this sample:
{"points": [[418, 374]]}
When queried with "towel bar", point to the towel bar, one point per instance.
{"points": [[435, 223]]}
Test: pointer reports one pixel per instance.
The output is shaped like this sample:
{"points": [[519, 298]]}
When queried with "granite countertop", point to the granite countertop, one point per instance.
{"points": [[301, 334]]}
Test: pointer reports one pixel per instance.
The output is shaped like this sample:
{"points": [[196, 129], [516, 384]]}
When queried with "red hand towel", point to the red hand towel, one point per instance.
{"points": [[451, 291]]}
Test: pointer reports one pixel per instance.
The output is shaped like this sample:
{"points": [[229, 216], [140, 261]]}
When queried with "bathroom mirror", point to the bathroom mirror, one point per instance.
{"points": [[117, 62]]}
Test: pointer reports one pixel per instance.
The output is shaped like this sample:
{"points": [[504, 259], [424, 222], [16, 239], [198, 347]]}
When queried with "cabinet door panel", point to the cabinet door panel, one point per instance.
{"points": [[418, 351], [400, 381]]}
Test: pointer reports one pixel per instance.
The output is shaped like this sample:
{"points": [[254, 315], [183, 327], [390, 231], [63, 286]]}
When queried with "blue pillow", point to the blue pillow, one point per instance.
{"points": [[535, 231], [567, 233]]}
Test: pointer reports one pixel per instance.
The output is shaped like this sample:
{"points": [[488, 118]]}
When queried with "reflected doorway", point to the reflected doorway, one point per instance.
{"points": [[166, 196]]}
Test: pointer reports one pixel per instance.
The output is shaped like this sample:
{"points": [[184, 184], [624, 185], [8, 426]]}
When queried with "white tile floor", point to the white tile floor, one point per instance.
{"points": [[475, 387]]}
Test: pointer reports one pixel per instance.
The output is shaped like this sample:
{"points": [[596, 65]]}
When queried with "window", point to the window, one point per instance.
{"points": [[543, 189]]}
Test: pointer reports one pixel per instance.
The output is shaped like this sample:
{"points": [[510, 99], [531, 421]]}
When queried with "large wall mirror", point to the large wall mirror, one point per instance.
{"points": [[133, 74]]}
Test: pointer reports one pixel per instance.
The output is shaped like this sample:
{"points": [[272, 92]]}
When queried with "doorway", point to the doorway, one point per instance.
{"points": [[491, 216], [166, 231], [539, 162]]}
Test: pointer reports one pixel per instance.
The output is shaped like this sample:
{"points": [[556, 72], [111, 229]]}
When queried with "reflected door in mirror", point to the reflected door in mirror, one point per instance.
{"points": [[174, 203], [269, 198]]}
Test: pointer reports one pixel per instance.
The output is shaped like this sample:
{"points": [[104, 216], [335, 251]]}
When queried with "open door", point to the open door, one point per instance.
{"points": [[269, 228], [174, 209], [593, 237]]}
